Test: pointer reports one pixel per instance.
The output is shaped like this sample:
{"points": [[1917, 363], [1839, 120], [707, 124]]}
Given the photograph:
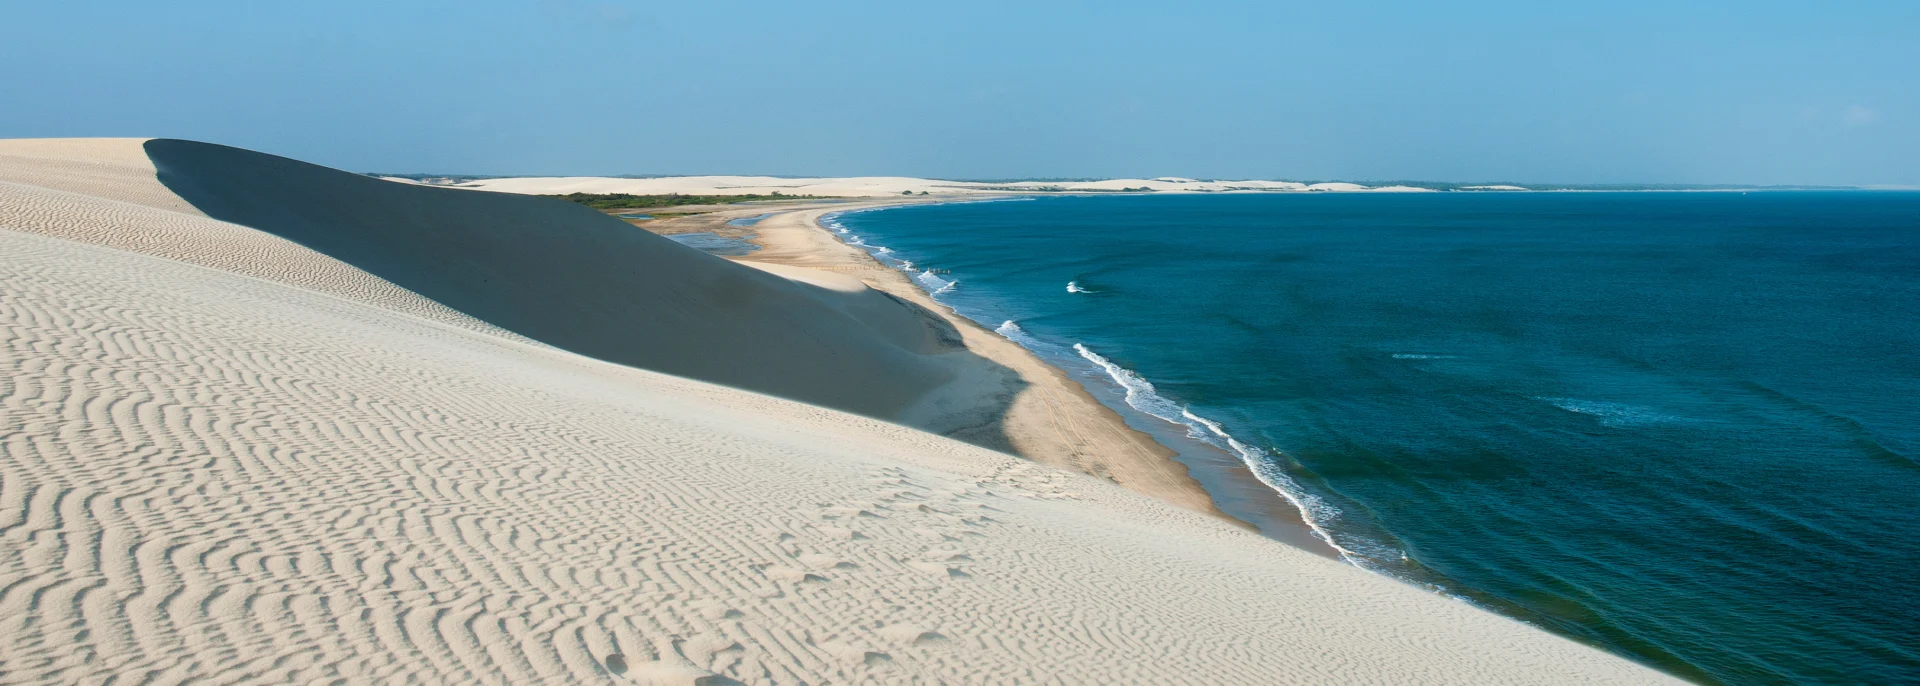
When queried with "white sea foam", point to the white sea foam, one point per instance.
{"points": [[831, 220], [1142, 396], [1013, 332], [1074, 287], [1422, 356], [933, 283], [1314, 511]]}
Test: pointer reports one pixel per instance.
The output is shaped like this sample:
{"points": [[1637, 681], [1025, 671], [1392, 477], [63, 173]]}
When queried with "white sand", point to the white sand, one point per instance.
{"points": [[883, 186], [230, 458]]}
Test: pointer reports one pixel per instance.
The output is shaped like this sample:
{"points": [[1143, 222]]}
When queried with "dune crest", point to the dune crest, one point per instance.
{"points": [[213, 471]]}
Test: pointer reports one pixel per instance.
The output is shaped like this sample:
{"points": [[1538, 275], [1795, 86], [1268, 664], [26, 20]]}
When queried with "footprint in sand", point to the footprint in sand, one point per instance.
{"points": [[819, 561], [715, 610], [702, 649], [911, 635], [676, 666], [663, 674], [842, 533], [894, 496], [947, 555], [844, 512], [932, 535], [793, 575], [938, 569], [853, 654]]}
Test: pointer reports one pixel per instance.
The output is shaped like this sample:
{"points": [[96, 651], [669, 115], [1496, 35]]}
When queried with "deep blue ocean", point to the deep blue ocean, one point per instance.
{"points": [[1684, 427]]}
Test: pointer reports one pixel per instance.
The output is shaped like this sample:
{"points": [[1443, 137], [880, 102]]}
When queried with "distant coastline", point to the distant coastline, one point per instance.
{"points": [[882, 186]]}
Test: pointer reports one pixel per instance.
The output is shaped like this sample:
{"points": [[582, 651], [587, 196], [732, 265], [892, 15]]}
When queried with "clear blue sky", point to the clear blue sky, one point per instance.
{"points": [[1685, 92]]}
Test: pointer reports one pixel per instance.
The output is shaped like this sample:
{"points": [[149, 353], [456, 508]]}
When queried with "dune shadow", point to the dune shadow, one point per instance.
{"points": [[579, 280]]}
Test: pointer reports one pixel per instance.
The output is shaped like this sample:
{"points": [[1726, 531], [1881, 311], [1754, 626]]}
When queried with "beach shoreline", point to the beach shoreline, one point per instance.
{"points": [[1052, 419]]}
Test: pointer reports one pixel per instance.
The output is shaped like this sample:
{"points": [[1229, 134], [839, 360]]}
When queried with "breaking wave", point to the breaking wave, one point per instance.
{"points": [[1142, 396]]}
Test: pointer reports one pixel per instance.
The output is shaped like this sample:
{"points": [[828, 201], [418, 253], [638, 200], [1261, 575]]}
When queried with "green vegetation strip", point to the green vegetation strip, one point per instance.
{"points": [[623, 201]]}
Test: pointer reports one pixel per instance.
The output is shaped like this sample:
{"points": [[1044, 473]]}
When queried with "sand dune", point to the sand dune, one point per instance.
{"points": [[566, 276], [232, 457]]}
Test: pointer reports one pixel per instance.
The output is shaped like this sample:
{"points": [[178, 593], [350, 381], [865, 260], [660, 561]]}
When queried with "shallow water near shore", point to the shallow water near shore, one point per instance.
{"points": [[749, 221], [1681, 426], [713, 243]]}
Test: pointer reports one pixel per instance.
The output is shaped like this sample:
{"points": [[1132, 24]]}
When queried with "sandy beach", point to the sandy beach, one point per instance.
{"points": [[269, 422], [1035, 410]]}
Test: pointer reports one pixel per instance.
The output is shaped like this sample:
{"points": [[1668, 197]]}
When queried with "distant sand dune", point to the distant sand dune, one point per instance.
{"points": [[885, 186], [232, 458]]}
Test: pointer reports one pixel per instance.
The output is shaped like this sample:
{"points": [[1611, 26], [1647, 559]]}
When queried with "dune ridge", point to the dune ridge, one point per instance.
{"points": [[230, 460]]}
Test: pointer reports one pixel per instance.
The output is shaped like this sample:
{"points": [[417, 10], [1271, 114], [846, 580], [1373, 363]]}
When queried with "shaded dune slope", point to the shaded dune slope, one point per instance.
{"points": [[579, 280]]}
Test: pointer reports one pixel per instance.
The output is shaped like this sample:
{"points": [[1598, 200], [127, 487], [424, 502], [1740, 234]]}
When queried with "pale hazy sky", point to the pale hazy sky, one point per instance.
{"points": [[1686, 92]]}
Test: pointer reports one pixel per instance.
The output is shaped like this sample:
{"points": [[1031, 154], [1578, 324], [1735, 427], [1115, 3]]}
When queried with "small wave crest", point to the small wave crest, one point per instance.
{"points": [[1140, 393], [933, 283], [1423, 356], [1314, 511], [927, 280], [831, 220], [1011, 330], [1075, 287], [1616, 415]]}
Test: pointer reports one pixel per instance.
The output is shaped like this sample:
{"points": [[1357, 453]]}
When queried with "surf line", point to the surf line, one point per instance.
{"points": [[1142, 396]]}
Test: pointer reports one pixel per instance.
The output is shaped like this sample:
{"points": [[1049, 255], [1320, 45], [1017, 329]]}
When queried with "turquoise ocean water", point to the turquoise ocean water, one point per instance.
{"points": [[1680, 426]]}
